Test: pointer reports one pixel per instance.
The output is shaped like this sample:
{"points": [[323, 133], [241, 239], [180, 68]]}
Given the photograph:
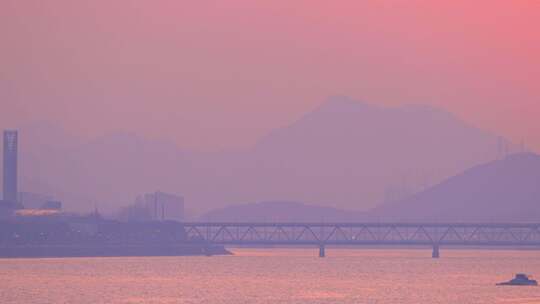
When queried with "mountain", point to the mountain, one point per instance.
{"points": [[279, 212], [345, 154], [506, 190], [352, 154]]}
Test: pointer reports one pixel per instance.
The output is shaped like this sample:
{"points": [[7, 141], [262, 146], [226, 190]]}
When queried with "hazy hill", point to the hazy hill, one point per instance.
{"points": [[502, 190], [345, 154], [352, 154], [279, 212]]}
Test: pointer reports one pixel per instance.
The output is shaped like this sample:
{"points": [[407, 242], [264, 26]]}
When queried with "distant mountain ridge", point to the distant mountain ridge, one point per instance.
{"points": [[345, 154], [506, 190], [279, 212], [362, 150]]}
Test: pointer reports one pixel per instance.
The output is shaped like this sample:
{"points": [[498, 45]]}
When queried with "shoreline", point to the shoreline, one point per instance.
{"points": [[109, 251]]}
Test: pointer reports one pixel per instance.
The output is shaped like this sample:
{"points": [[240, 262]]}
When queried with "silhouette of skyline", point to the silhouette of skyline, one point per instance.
{"points": [[319, 159]]}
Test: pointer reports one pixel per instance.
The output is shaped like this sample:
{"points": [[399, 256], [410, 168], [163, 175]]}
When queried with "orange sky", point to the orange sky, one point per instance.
{"points": [[219, 74]]}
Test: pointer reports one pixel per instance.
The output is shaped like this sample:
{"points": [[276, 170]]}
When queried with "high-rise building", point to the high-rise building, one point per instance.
{"points": [[165, 206], [157, 206], [10, 166]]}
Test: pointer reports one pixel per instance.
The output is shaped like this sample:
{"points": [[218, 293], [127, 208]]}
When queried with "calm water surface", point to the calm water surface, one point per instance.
{"points": [[275, 276]]}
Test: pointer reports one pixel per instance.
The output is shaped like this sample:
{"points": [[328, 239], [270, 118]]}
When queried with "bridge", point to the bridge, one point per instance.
{"points": [[371, 234]]}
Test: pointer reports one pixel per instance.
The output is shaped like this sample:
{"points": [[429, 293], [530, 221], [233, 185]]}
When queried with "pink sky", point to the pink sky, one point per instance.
{"points": [[219, 74]]}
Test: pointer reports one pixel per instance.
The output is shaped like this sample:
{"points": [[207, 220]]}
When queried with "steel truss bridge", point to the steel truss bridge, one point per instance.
{"points": [[375, 234]]}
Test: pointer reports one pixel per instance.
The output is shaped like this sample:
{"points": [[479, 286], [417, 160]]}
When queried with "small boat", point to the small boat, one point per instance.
{"points": [[521, 279]]}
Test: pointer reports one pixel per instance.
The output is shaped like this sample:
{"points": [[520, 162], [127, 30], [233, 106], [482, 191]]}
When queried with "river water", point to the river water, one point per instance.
{"points": [[276, 276]]}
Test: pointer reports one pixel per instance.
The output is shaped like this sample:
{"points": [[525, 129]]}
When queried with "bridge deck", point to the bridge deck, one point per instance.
{"points": [[256, 233]]}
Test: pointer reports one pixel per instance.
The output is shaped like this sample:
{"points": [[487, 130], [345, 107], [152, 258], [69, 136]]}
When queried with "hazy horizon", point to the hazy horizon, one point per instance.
{"points": [[270, 151], [344, 154]]}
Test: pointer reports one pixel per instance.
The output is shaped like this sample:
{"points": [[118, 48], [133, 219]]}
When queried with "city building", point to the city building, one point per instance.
{"points": [[52, 205], [157, 206], [164, 206], [12, 199], [31, 200], [9, 202], [10, 166]]}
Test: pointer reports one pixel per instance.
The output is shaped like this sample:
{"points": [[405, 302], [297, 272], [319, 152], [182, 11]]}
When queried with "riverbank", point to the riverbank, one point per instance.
{"points": [[110, 251]]}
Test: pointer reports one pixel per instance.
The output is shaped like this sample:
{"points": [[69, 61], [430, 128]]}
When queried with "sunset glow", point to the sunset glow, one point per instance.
{"points": [[86, 64], [270, 151]]}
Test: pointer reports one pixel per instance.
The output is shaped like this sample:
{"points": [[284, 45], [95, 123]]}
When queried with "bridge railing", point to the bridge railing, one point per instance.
{"points": [[478, 234]]}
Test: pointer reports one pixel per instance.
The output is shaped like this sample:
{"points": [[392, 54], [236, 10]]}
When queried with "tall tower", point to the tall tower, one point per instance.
{"points": [[10, 165]]}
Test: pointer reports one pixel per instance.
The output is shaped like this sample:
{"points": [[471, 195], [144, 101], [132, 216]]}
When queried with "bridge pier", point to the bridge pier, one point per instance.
{"points": [[435, 253], [206, 250], [322, 253]]}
